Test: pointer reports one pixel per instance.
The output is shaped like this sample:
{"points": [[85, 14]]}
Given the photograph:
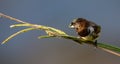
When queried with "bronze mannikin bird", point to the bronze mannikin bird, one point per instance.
{"points": [[86, 30]]}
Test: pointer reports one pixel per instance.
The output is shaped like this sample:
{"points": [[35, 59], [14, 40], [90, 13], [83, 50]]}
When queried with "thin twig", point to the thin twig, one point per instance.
{"points": [[109, 51], [31, 25], [11, 18]]}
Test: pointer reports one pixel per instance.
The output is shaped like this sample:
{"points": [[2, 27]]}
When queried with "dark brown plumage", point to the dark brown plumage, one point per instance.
{"points": [[85, 28]]}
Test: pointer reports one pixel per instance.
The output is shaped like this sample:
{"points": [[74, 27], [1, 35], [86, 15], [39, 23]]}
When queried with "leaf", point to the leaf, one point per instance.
{"points": [[41, 27], [106, 47], [45, 36], [17, 33], [110, 47]]}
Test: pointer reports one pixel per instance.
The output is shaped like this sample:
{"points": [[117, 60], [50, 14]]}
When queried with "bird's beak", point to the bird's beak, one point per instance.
{"points": [[71, 26]]}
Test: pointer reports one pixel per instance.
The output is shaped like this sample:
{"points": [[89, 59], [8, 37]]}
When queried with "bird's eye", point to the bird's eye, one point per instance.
{"points": [[72, 23]]}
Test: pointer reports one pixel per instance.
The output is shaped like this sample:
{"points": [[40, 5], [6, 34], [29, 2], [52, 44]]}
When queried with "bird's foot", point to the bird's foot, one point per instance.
{"points": [[95, 43]]}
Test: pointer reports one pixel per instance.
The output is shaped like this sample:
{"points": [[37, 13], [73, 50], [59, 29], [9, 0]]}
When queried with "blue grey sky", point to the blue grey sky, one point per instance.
{"points": [[27, 49]]}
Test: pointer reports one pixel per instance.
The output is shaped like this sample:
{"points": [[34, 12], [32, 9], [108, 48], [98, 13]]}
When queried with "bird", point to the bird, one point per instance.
{"points": [[87, 30]]}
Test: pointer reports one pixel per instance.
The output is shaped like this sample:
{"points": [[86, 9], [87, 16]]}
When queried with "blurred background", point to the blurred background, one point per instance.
{"points": [[26, 48]]}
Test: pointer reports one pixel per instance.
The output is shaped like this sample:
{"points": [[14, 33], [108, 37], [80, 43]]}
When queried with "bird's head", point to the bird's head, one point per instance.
{"points": [[78, 23]]}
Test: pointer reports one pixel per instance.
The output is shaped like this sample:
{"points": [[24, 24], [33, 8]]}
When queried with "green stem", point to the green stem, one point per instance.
{"points": [[80, 41], [110, 47]]}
